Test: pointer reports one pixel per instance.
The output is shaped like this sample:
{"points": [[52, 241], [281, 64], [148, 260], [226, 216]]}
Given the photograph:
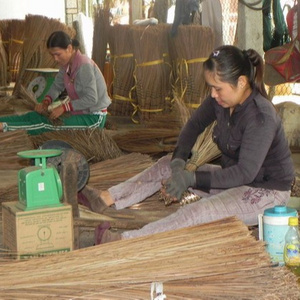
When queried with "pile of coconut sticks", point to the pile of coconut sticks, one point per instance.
{"points": [[217, 260]]}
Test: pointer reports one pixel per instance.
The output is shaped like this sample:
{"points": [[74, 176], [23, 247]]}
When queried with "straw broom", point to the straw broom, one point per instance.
{"points": [[204, 149], [217, 260]]}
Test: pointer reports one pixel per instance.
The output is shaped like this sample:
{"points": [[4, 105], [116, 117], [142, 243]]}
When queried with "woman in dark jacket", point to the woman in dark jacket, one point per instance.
{"points": [[256, 170]]}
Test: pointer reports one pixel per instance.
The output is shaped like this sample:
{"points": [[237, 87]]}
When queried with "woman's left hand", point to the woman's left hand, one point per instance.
{"points": [[177, 184], [56, 112]]}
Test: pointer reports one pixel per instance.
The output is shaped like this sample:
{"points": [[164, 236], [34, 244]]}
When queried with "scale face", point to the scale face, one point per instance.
{"points": [[41, 84], [37, 86]]}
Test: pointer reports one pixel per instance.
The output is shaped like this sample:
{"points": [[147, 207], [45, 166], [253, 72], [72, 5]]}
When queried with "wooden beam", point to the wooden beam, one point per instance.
{"points": [[135, 10]]}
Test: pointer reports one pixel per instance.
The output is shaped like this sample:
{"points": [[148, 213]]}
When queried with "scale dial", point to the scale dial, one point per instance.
{"points": [[44, 233], [37, 86]]}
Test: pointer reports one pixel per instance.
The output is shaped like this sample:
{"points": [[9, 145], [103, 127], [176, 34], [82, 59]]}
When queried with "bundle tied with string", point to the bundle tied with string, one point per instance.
{"points": [[122, 60], [13, 37], [152, 72], [190, 48]]}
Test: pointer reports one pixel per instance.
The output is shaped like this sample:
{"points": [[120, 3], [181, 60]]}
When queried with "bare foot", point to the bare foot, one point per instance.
{"points": [[92, 196], [107, 198]]}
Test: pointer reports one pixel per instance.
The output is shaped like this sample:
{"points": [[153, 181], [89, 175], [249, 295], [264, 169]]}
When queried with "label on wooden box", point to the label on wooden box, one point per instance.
{"points": [[38, 232]]}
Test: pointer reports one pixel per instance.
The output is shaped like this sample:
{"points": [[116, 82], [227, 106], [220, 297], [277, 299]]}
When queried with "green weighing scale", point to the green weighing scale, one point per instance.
{"points": [[41, 84], [40, 185]]}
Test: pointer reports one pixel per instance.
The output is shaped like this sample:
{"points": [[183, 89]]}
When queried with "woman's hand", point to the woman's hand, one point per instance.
{"points": [[177, 184], [56, 112], [41, 108]]}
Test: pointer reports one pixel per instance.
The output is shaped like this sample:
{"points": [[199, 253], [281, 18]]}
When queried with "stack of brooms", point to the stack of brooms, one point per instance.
{"points": [[214, 261]]}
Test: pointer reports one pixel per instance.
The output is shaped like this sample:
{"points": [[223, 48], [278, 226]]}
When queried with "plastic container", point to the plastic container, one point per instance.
{"points": [[273, 226], [292, 245]]}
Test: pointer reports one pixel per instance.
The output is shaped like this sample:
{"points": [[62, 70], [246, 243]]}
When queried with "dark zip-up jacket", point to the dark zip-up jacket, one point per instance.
{"points": [[252, 141]]}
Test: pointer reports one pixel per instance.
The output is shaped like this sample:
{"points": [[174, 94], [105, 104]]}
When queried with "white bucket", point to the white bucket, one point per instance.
{"points": [[273, 225]]}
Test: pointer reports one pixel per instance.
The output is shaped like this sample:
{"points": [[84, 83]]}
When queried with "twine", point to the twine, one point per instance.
{"points": [[136, 107], [182, 66]]}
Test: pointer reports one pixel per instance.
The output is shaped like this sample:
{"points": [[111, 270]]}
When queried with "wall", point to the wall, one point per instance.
{"points": [[18, 9]]}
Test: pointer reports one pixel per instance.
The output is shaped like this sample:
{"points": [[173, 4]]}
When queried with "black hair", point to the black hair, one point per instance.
{"points": [[62, 40], [230, 62]]}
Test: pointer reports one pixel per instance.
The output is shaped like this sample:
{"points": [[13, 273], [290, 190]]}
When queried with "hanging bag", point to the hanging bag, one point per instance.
{"points": [[286, 59]]}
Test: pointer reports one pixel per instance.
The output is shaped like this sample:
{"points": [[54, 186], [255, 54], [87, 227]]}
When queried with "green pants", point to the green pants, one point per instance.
{"points": [[35, 123]]}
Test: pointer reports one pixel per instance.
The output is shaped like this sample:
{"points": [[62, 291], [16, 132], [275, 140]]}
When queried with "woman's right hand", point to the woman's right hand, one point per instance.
{"points": [[42, 107]]}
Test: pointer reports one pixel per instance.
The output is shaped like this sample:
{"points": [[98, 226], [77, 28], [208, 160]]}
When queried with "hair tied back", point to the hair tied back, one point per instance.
{"points": [[215, 53]]}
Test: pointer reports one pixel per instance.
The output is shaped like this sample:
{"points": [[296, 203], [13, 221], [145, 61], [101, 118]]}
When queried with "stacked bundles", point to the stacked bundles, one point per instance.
{"points": [[152, 70], [122, 61], [189, 49], [213, 261]]}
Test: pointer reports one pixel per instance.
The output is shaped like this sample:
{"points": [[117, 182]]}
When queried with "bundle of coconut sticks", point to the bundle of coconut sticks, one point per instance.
{"points": [[205, 149], [13, 142], [3, 64], [152, 73], [189, 49], [110, 172], [13, 38], [122, 60], [100, 37], [94, 144], [34, 52], [147, 140], [213, 261]]}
